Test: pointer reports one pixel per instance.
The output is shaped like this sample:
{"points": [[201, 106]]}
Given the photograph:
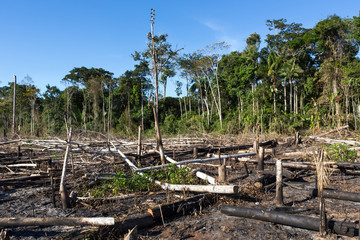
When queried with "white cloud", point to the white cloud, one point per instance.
{"points": [[213, 26], [222, 35]]}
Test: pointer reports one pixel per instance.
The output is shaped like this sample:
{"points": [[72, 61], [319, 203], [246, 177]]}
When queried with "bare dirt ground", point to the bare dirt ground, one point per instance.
{"points": [[26, 191]]}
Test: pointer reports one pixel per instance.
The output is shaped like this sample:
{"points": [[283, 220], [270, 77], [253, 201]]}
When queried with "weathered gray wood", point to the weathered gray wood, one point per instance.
{"points": [[197, 160], [279, 187], [64, 196], [139, 145], [222, 173], [54, 221], [260, 158], [335, 141], [220, 189]]}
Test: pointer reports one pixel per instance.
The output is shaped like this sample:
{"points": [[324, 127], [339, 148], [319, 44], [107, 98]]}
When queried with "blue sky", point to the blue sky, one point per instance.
{"points": [[45, 39]]}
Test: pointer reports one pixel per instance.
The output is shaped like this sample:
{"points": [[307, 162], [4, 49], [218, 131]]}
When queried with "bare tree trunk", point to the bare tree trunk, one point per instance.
{"points": [[285, 106], [187, 92], [142, 107], [201, 100], [207, 111], [291, 96], [103, 108], [185, 107], [158, 138], [129, 114], [155, 71], [347, 104], [253, 99], [274, 95], [63, 190], [32, 128], [354, 112], [335, 93], [219, 96], [109, 112], [180, 107], [14, 108]]}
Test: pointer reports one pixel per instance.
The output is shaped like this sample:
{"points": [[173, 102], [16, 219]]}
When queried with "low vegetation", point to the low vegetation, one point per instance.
{"points": [[340, 153], [134, 182]]}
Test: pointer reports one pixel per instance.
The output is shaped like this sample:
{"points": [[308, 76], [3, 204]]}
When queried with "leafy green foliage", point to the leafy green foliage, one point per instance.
{"points": [[174, 175], [133, 182], [340, 153], [122, 183]]}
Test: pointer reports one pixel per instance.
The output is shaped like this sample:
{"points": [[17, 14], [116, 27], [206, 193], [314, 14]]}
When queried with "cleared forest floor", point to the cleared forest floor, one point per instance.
{"points": [[28, 165]]}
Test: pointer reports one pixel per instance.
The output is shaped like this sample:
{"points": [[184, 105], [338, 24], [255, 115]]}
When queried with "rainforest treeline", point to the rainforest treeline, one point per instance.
{"points": [[301, 79]]}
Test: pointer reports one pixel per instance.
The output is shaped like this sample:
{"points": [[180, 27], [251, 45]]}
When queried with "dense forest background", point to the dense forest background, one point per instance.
{"points": [[302, 79]]}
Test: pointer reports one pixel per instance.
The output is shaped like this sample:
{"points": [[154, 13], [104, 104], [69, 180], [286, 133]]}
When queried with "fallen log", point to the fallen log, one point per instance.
{"points": [[182, 206], [196, 161], [154, 216], [335, 141], [130, 163], [334, 130], [336, 194], [9, 142], [310, 223], [199, 174], [61, 221], [220, 189], [34, 177]]}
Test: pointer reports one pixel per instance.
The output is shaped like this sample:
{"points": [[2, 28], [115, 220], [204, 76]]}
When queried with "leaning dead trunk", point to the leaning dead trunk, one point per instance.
{"points": [[63, 191]]}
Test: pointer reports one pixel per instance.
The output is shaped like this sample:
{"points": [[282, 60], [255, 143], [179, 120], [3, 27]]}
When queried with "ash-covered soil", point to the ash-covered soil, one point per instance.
{"points": [[92, 160]]}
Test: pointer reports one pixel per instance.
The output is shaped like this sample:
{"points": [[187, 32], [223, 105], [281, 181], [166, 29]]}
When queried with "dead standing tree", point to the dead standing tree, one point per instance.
{"points": [[156, 107], [63, 192], [14, 109]]}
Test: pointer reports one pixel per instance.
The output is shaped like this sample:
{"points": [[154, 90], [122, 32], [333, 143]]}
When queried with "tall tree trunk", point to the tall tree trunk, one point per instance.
{"points": [[180, 107], [14, 108], [185, 107], [291, 95], [207, 111], [187, 92], [109, 111], [296, 99], [335, 93], [253, 98], [347, 103], [129, 113], [274, 94], [142, 107], [32, 128], [84, 112], [354, 112], [201, 100], [103, 108], [219, 96], [155, 71], [285, 106]]}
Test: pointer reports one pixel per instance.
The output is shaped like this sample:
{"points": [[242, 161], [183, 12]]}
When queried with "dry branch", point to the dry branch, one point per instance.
{"points": [[196, 161], [335, 141], [61, 221], [220, 189]]}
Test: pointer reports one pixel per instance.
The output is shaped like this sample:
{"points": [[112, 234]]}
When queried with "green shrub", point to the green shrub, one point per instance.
{"points": [[340, 153]]}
